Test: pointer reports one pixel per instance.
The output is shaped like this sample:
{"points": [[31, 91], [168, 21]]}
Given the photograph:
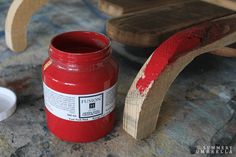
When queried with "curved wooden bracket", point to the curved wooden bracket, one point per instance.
{"points": [[17, 20], [149, 88]]}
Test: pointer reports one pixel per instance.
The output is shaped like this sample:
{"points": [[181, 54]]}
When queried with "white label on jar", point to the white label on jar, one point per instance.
{"points": [[79, 107]]}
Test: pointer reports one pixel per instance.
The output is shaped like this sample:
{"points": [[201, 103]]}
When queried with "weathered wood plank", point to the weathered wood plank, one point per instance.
{"points": [[149, 28], [121, 7]]}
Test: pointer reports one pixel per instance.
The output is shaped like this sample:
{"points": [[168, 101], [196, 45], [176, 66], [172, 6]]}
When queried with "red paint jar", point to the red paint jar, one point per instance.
{"points": [[79, 80]]}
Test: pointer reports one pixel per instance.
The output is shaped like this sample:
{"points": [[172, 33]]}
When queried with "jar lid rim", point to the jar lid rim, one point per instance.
{"points": [[52, 47]]}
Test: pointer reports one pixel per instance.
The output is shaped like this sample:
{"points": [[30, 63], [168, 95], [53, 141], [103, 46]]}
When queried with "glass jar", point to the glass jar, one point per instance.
{"points": [[79, 80]]}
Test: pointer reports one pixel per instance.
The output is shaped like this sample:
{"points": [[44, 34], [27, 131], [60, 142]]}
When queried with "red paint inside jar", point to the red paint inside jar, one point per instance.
{"points": [[80, 63], [84, 44]]}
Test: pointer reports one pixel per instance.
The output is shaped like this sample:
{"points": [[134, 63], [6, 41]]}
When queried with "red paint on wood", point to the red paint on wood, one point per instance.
{"points": [[177, 45]]}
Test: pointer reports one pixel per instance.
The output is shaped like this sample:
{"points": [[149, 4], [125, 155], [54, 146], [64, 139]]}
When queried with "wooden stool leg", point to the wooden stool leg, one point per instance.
{"points": [[150, 86], [18, 17]]}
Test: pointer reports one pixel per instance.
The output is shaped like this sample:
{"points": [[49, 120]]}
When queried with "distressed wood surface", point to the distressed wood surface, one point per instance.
{"points": [[198, 109], [145, 96], [18, 17], [149, 28], [121, 7]]}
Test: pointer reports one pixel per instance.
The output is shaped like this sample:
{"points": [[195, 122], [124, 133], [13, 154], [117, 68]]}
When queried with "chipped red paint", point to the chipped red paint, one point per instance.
{"points": [[177, 45]]}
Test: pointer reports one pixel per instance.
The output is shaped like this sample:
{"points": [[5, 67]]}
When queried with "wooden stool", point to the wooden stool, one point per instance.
{"points": [[145, 24]]}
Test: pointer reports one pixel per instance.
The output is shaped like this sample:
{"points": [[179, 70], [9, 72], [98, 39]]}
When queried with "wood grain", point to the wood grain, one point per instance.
{"points": [[145, 96], [17, 20], [120, 7], [149, 28]]}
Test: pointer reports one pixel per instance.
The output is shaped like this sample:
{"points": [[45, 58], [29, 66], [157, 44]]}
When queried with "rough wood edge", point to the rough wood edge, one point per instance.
{"points": [[142, 109], [17, 20]]}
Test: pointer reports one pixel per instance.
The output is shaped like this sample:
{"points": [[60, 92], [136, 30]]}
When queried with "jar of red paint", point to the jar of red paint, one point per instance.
{"points": [[79, 80]]}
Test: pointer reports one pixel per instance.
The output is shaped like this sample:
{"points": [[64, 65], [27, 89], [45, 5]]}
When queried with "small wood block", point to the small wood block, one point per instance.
{"points": [[17, 20], [145, 96], [229, 4], [121, 7], [149, 28], [225, 51]]}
